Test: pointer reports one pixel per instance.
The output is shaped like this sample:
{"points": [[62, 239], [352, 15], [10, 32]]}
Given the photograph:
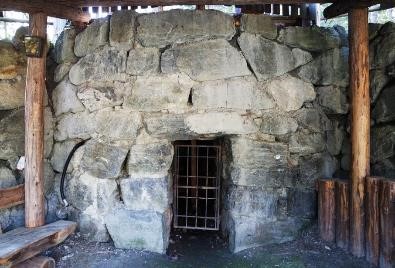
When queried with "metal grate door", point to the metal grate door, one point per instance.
{"points": [[197, 186]]}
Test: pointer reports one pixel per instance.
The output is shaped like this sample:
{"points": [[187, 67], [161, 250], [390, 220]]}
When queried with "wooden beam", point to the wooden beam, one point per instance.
{"points": [[343, 7], [372, 219], [50, 8], [83, 3], [13, 196], [387, 224], [34, 129], [21, 244], [326, 209], [360, 125], [342, 199]]}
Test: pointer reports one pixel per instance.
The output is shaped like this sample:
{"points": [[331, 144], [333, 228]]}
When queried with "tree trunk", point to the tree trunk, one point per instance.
{"points": [[326, 209]]}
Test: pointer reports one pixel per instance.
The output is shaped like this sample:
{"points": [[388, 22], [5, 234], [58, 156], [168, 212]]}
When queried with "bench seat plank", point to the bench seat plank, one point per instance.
{"points": [[23, 243]]}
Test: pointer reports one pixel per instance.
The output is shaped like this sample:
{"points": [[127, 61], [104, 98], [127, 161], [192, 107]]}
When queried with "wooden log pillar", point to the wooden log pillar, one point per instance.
{"points": [[34, 129], [387, 224], [326, 209], [342, 213], [372, 219], [360, 125]]}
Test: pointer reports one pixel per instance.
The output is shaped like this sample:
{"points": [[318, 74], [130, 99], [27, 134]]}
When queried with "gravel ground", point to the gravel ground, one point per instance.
{"points": [[206, 249]]}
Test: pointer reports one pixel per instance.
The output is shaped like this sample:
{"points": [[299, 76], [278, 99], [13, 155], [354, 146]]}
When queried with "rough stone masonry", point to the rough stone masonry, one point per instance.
{"points": [[135, 83]]}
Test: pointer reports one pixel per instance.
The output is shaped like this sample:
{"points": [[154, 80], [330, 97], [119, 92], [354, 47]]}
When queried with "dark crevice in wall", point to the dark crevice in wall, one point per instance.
{"points": [[190, 101]]}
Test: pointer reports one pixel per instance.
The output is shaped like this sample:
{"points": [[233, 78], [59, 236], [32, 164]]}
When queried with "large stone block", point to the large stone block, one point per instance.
{"points": [[157, 93], [241, 93], [170, 126], [64, 98], [64, 47], [12, 61], [61, 71], [334, 139], [104, 65], [49, 126], [301, 203], [310, 38], [99, 95], [180, 26], [333, 99], [248, 232], [108, 124], [378, 80], [61, 151], [220, 123], [384, 110], [259, 24], [7, 179], [304, 142], [382, 140], [267, 177], [381, 49], [12, 93], [143, 229], [250, 153], [93, 198], [12, 135], [311, 167], [143, 61], [277, 122], [146, 193], [269, 59], [289, 92], [313, 119], [122, 29], [207, 60], [103, 161], [331, 67], [150, 160], [94, 36]]}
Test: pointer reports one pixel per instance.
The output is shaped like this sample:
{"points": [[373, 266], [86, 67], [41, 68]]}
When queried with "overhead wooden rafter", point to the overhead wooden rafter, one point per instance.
{"points": [[343, 7], [50, 8]]}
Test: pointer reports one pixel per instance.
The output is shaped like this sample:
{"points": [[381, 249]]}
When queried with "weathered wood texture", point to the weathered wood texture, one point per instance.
{"points": [[326, 209], [23, 243], [342, 196], [37, 262], [387, 224], [13, 196], [372, 220], [343, 7], [34, 129], [360, 125], [64, 10]]}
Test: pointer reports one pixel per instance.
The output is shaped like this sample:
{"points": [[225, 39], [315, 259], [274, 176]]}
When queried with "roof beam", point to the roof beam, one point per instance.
{"points": [[83, 3], [343, 7], [50, 8]]}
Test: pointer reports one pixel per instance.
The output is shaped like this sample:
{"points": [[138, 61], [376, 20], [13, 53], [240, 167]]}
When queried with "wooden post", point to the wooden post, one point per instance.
{"points": [[37, 262], [326, 209], [34, 129], [387, 224], [342, 214], [360, 124], [372, 219]]}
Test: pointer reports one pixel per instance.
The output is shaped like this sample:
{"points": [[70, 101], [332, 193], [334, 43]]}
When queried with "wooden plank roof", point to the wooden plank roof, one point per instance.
{"points": [[71, 9]]}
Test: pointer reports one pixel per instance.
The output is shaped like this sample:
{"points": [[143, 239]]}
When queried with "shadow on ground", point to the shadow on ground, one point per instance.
{"points": [[206, 249]]}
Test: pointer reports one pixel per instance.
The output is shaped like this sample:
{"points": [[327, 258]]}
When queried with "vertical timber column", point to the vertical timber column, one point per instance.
{"points": [[360, 125], [34, 129]]}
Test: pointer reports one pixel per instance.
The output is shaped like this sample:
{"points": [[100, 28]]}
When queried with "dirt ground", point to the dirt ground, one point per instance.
{"points": [[206, 249]]}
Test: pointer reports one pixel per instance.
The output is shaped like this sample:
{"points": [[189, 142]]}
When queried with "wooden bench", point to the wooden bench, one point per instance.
{"points": [[22, 244]]}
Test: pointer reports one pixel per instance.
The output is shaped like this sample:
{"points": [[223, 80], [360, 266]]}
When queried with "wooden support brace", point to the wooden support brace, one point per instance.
{"points": [[13, 196], [326, 209], [372, 219], [342, 214], [360, 125], [387, 224], [34, 129]]}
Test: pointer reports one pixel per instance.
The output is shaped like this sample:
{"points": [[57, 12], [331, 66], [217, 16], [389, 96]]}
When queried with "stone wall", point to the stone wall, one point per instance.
{"points": [[134, 84]]}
